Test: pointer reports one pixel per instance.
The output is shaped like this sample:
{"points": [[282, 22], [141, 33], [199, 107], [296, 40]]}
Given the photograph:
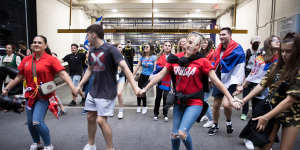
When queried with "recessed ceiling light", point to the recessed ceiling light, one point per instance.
{"points": [[197, 10], [114, 10], [155, 10]]}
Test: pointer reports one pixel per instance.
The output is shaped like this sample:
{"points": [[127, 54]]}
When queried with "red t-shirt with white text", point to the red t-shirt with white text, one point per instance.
{"points": [[190, 77]]}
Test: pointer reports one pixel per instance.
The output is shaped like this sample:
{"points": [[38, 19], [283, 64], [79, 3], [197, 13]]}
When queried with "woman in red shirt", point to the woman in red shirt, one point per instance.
{"points": [[37, 69], [188, 71]]}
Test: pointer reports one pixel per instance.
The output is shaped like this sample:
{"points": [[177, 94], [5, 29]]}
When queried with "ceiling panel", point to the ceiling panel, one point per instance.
{"points": [[168, 8]]}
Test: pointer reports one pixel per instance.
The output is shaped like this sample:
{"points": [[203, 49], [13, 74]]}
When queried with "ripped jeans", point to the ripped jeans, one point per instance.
{"points": [[35, 122], [182, 122]]}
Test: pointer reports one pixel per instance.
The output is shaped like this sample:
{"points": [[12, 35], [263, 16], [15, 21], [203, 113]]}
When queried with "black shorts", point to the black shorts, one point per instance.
{"points": [[218, 94]]}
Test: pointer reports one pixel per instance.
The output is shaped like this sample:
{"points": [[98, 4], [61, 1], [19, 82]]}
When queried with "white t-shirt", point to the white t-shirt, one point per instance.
{"points": [[252, 58], [257, 73]]}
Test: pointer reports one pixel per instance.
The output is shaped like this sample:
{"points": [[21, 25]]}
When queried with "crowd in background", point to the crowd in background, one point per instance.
{"points": [[196, 70]]}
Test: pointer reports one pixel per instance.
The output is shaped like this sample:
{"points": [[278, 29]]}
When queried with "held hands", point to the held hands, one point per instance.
{"points": [[262, 122], [4, 92], [142, 92], [237, 103], [75, 91]]}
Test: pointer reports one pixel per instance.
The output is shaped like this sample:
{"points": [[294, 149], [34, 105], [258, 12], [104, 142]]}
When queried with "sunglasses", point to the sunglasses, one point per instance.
{"points": [[146, 46], [275, 40], [168, 45]]}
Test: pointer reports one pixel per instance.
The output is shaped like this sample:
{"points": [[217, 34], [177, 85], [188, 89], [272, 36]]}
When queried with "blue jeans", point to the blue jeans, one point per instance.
{"points": [[35, 122], [208, 112], [183, 121], [88, 85], [76, 79]]}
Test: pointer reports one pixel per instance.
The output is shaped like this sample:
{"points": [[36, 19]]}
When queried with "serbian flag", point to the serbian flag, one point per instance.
{"points": [[232, 63], [86, 42]]}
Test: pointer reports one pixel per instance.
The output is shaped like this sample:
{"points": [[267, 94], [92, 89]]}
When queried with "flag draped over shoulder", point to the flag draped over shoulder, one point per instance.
{"points": [[232, 63]]}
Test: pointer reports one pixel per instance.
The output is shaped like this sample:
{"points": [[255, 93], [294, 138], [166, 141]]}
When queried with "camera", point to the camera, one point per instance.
{"points": [[6, 70], [15, 104]]}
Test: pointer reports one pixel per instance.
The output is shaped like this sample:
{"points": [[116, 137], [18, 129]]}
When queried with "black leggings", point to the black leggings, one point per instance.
{"points": [[160, 93], [143, 81], [254, 101]]}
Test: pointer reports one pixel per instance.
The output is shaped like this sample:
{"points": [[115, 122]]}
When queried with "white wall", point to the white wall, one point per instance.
{"points": [[246, 18], [53, 15], [223, 21], [286, 9], [248, 23]]}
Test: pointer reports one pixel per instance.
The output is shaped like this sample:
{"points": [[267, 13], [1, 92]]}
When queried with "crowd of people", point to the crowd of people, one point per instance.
{"points": [[186, 78]]}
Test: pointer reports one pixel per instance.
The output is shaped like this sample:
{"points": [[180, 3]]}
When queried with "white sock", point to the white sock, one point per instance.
{"points": [[228, 123]]}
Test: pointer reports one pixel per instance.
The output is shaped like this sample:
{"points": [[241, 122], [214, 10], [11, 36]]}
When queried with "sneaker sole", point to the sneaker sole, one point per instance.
{"points": [[211, 134]]}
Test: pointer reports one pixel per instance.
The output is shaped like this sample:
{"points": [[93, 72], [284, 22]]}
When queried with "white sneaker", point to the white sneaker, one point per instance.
{"points": [[204, 118], [50, 147], [155, 118], [248, 144], [138, 109], [34, 146], [208, 124], [89, 147], [120, 114], [166, 119], [144, 110]]}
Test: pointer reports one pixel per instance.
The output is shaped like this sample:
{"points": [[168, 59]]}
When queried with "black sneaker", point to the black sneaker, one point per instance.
{"points": [[213, 130], [72, 103], [229, 128], [82, 102]]}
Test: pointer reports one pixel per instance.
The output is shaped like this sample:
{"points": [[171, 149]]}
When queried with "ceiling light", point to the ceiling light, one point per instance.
{"points": [[155, 10], [114, 10], [190, 20], [122, 20], [197, 10]]}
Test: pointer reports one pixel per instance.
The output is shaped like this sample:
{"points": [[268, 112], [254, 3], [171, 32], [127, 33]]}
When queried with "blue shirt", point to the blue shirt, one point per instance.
{"points": [[148, 64]]}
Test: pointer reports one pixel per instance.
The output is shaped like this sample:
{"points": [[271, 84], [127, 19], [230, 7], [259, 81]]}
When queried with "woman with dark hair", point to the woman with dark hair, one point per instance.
{"points": [[261, 64], [207, 51], [207, 47], [121, 83], [48, 51], [11, 60], [283, 81], [189, 71], [147, 62], [163, 87], [37, 69]]}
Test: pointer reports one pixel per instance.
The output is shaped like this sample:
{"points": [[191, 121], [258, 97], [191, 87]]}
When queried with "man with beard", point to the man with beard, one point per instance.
{"points": [[230, 68]]}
